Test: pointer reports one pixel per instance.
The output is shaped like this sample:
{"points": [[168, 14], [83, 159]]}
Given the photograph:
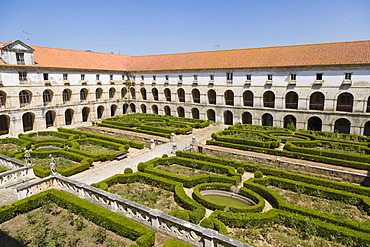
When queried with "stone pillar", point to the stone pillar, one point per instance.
{"points": [[174, 148], [172, 137], [193, 140], [152, 144]]}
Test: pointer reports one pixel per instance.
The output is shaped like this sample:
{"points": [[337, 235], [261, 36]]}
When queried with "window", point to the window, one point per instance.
{"points": [[167, 77], [65, 77], [47, 96], [98, 93], [319, 77], [24, 97], [46, 76], [111, 77], [293, 77], [20, 58], [66, 95], [133, 77], [229, 77], [211, 77], [348, 76], [195, 77], [112, 92], [22, 76], [180, 77], [249, 77], [269, 77], [83, 94], [82, 77], [154, 78], [123, 77], [97, 77], [142, 78]]}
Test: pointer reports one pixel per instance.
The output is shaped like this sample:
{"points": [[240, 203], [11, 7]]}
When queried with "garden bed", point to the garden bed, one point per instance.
{"points": [[183, 170], [61, 162]]}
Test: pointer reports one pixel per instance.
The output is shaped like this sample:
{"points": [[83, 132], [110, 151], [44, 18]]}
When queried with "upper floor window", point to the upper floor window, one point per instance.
{"points": [[22, 76], [82, 77], [348, 76], [123, 77], [229, 77], [180, 77], [142, 78], [134, 77], [249, 77], [24, 98], [269, 77], [195, 77], [319, 76], [167, 77], [46, 76], [83, 94], [154, 78], [20, 58], [65, 77], [293, 77], [211, 77], [97, 77], [47, 96], [111, 77]]}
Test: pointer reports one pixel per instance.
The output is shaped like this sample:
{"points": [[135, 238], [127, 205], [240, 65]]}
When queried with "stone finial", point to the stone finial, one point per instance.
{"points": [[174, 148], [172, 137], [27, 156], [53, 167]]}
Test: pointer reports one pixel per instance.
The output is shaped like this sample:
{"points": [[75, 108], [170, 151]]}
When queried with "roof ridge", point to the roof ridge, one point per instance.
{"points": [[79, 50]]}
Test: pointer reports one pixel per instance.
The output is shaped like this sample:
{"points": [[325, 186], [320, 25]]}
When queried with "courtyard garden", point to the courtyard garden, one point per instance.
{"points": [[153, 124], [332, 148], [288, 209]]}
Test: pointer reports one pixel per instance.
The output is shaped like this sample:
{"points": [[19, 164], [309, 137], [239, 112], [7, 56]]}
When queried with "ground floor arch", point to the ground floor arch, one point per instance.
{"points": [[180, 112], [4, 124], [124, 108], [28, 120], [155, 109], [342, 125], [68, 116], [195, 113], [85, 114], [246, 118], [228, 118], [132, 107], [211, 115], [113, 110], [50, 118], [267, 119], [367, 129], [167, 110], [314, 123], [100, 111], [290, 122], [143, 108]]}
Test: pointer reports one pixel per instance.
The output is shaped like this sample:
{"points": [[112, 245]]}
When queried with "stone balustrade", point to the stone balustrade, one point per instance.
{"points": [[155, 219], [10, 163], [16, 176]]}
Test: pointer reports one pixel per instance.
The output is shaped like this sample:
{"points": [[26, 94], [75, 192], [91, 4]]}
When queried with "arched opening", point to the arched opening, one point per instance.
{"points": [[246, 118], [267, 120], [100, 111], [83, 94], [112, 93], [314, 123], [50, 118], [248, 98], [143, 93], [123, 93], [155, 94], [167, 110], [85, 114], [181, 95], [211, 115], [367, 129], [133, 94], [132, 107], [290, 122], [180, 112], [291, 100], [196, 95], [143, 108], [342, 125], [229, 97], [2, 99], [68, 116], [113, 109], [195, 113], [269, 99], [345, 102], [98, 93], [66, 94], [124, 108], [211, 96], [228, 118], [24, 98], [368, 105], [155, 109], [47, 96], [28, 121], [167, 94], [4, 124], [317, 101]]}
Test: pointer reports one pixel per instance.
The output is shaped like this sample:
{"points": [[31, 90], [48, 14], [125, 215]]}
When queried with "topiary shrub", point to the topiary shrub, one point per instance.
{"points": [[182, 214], [165, 156], [207, 223], [141, 166], [240, 170], [128, 170], [258, 174]]}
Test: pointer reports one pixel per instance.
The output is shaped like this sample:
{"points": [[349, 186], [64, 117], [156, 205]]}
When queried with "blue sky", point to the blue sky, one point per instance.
{"points": [[138, 27]]}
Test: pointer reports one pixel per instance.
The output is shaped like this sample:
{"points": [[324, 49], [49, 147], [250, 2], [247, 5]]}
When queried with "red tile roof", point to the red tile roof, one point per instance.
{"points": [[356, 52]]}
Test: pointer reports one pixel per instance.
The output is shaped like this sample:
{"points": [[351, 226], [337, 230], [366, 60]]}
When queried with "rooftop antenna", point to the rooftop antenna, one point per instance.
{"points": [[28, 34], [218, 47]]}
